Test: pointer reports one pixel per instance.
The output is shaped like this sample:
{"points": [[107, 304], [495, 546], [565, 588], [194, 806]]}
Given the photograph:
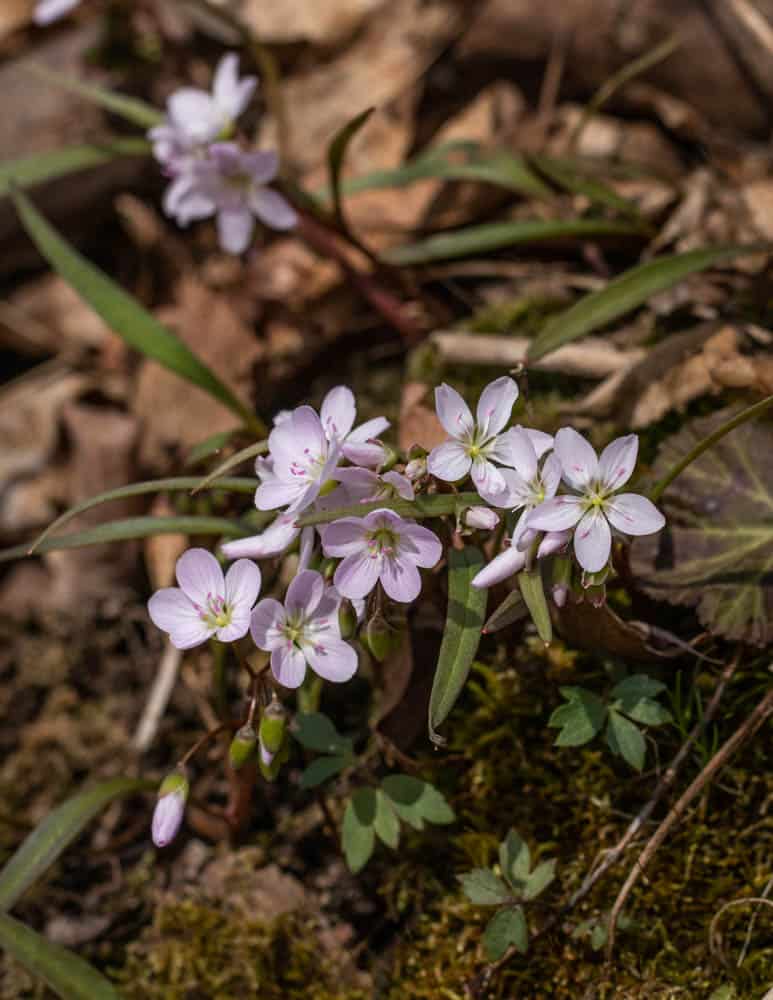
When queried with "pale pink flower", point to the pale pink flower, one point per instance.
{"points": [[170, 808], [358, 444], [526, 485], [304, 631], [598, 507], [475, 443], [206, 603], [367, 486], [277, 537], [301, 460], [47, 11], [380, 547], [483, 518]]}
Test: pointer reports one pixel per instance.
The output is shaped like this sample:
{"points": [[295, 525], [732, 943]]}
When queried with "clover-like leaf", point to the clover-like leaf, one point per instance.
{"points": [[415, 801], [580, 719], [636, 698], [540, 879], [483, 887], [315, 731], [514, 858], [716, 551], [358, 836], [507, 928], [624, 738]]}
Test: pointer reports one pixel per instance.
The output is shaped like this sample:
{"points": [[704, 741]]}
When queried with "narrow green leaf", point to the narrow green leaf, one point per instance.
{"points": [[498, 235], [415, 801], [321, 770], [625, 739], [29, 170], [511, 610], [232, 485], [358, 837], [123, 313], [129, 528], [385, 823], [129, 108], [514, 859], [580, 719], [67, 974], [569, 175], [540, 879], [421, 507], [54, 833], [533, 593], [461, 637], [336, 155], [251, 451], [629, 291], [209, 446], [506, 929], [315, 731], [482, 887]]}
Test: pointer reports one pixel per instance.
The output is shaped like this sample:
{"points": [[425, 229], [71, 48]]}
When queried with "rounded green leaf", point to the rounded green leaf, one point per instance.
{"points": [[482, 887], [357, 833], [506, 929], [625, 739], [386, 824]]}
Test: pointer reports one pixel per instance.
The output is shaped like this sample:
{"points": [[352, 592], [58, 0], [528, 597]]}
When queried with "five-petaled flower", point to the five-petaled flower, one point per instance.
{"points": [[475, 443], [206, 603], [596, 507], [304, 631], [380, 547]]}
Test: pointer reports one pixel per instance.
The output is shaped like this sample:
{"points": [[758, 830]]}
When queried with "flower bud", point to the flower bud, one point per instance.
{"points": [[559, 592], [416, 469], [242, 746], [481, 517], [170, 807], [347, 619], [379, 638], [266, 757], [389, 461], [270, 764], [273, 726]]}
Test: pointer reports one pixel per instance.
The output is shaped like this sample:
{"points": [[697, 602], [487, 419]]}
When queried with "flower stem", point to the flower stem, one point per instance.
{"points": [[740, 418]]}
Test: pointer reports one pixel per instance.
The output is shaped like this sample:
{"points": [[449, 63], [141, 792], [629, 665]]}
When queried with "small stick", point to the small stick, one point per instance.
{"points": [[745, 731], [158, 699]]}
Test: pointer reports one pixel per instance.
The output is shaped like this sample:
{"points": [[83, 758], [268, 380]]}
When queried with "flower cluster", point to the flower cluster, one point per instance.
{"points": [[211, 174], [554, 495]]}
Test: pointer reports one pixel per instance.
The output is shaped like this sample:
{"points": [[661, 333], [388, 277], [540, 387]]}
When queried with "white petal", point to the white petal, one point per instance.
{"points": [[618, 461], [338, 412], [357, 575], [370, 453], [449, 461], [402, 486], [633, 515], [488, 480], [306, 550], [277, 493], [453, 413], [515, 448], [332, 658], [195, 113], [553, 542], [495, 405], [234, 229], [265, 622], [200, 576], [420, 544], [541, 442], [304, 593], [272, 542], [592, 541], [288, 665], [551, 476], [231, 94], [557, 514], [242, 585], [400, 579], [238, 627], [172, 612], [345, 537], [500, 568], [273, 209], [47, 11], [370, 429], [577, 457]]}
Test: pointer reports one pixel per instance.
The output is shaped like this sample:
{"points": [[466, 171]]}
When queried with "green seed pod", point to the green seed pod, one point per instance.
{"points": [[379, 638], [347, 619], [273, 726], [242, 746], [328, 567]]}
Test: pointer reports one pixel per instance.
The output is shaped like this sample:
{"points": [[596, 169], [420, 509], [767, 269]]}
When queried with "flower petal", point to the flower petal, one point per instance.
{"points": [[304, 593], [421, 545], [618, 461], [306, 549], [633, 514], [332, 658], [453, 413], [552, 542], [449, 461], [357, 575], [231, 94], [515, 448], [345, 537], [516, 494], [262, 166], [495, 405], [577, 457], [242, 586], [593, 541], [512, 560], [288, 665], [172, 612], [367, 453], [400, 579], [272, 542], [557, 514], [273, 210], [338, 412], [551, 476], [238, 627], [402, 486], [200, 576], [234, 229], [277, 493], [265, 623], [370, 429], [541, 442], [488, 480], [194, 112]]}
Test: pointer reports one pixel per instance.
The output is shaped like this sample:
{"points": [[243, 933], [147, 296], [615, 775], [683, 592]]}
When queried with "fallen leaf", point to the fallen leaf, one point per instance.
{"points": [[327, 23], [418, 421]]}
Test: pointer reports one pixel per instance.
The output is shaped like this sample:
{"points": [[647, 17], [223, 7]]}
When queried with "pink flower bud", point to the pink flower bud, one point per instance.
{"points": [[560, 594], [481, 517], [170, 808], [266, 757], [416, 469]]}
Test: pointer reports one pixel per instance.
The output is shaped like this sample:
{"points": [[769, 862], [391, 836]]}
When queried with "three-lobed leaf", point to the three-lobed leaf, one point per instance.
{"points": [[580, 719], [321, 769], [540, 879], [385, 822], [515, 859], [315, 731], [625, 739], [482, 887], [506, 929], [415, 801]]}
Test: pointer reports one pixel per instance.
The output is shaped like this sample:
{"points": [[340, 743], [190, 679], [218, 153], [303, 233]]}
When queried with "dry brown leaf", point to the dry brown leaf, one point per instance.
{"points": [[15, 14], [418, 421], [758, 198], [327, 23], [163, 551]]}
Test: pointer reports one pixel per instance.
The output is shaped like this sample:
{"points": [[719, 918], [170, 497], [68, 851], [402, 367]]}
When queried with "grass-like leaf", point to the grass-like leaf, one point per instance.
{"points": [[571, 176], [124, 314], [129, 528], [420, 508], [533, 593], [251, 451], [629, 291], [129, 108], [336, 155], [66, 973], [53, 835], [461, 637], [499, 235], [29, 170]]}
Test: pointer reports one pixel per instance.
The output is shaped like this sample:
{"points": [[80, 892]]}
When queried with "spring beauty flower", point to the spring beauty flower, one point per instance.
{"points": [[596, 507], [384, 547], [170, 807], [206, 603], [338, 413], [526, 485], [304, 631], [475, 443], [47, 11]]}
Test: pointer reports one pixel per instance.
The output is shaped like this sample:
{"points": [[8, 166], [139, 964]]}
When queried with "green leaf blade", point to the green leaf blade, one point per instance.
{"points": [[415, 801], [27, 171], [336, 156], [625, 739], [580, 719], [533, 593], [461, 636], [514, 858], [358, 837], [129, 108], [482, 887], [540, 879], [322, 770], [385, 823], [506, 929], [315, 731]]}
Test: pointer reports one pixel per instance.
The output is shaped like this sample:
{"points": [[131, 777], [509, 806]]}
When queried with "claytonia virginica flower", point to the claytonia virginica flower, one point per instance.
{"points": [[301, 460], [526, 485], [483, 518], [206, 603], [47, 11], [380, 547], [338, 413], [367, 486], [304, 631], [170, 808], [598, 507]]}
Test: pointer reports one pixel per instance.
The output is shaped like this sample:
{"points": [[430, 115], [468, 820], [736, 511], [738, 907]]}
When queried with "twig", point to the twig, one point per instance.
{"points": [[714, 938], [744, 732], [158, 699]]}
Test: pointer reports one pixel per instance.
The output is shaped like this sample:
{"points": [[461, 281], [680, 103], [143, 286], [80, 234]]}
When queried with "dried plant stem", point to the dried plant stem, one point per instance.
{"points": [[160, 694], [744, 732]]}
